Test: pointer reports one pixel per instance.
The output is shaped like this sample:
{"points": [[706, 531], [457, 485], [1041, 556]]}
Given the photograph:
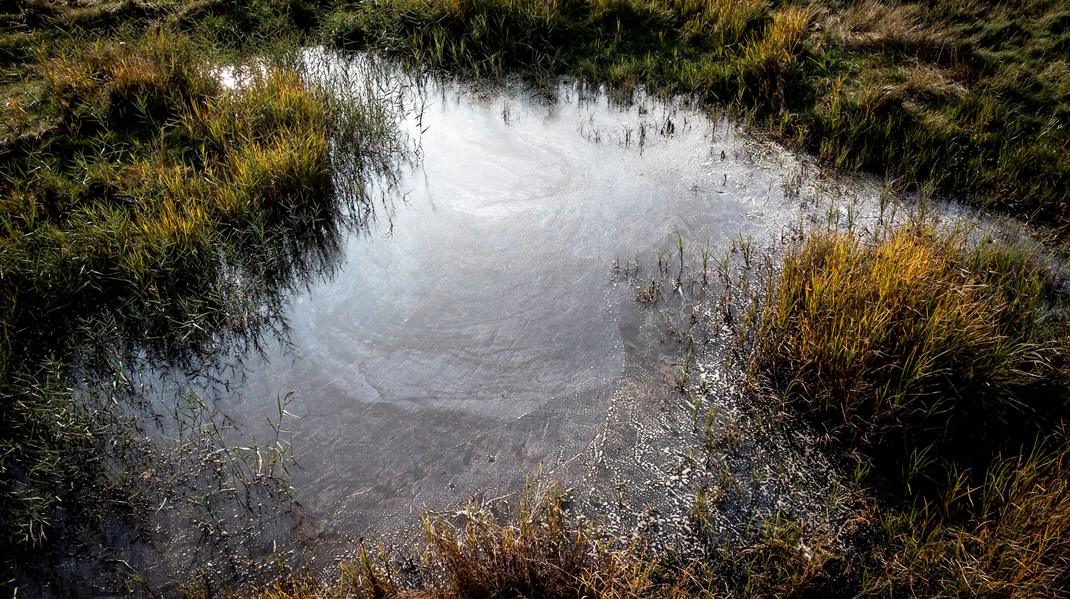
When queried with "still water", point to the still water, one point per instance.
{"points": [[475, 329]]}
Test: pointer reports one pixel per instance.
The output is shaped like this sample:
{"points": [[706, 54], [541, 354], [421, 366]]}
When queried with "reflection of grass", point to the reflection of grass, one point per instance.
{"points": [[142, 200]]}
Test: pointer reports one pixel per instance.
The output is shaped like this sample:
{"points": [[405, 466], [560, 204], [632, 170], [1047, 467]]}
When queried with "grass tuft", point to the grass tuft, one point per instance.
{"points": [[1007, 537], [919, 337], [542, 553]]}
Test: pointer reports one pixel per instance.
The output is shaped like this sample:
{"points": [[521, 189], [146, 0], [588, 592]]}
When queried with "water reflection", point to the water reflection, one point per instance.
{"points": [[448, 325], [474, 330], [171, 485]]}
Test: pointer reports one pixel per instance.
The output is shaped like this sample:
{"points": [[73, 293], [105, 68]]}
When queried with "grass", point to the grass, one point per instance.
{"points": [[1005, 535], [938, 354], [141, 193], [145, 210], [151, 167], [542, 552], [918, 337], [1009, 536], [932, 357], [964, 100]]}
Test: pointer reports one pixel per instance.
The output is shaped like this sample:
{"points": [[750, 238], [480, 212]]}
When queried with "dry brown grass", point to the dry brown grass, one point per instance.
{"points": [[910, 337], [877, 25], [1007, 537], [542, 553]]}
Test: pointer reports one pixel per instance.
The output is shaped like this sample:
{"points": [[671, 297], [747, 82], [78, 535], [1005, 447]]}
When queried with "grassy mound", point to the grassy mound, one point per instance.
{"points": [[940, 356], [920, 337]]}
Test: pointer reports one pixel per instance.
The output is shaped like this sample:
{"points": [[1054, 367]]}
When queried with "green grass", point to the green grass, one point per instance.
{"points": [[919, 337], [147, 208], [966, 100], [149, 170]]}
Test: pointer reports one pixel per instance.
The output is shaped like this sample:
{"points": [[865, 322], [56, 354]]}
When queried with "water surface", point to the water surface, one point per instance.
{"points": [[477, 329]]}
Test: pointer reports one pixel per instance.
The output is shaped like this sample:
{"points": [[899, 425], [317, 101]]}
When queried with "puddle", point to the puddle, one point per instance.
{"points": [[478, 330]]}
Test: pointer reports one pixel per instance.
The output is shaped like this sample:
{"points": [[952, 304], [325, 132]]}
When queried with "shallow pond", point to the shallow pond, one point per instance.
{"points": [[477, 329]]}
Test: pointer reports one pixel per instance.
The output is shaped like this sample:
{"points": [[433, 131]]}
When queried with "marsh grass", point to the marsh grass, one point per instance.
{"points": [[1005, 534], [60, 441], [151, 211], [918, 337], [965, 100], [935, 354], [152, 170], [1008, 536], [932, 355], [725, 50], [541, 551]]}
